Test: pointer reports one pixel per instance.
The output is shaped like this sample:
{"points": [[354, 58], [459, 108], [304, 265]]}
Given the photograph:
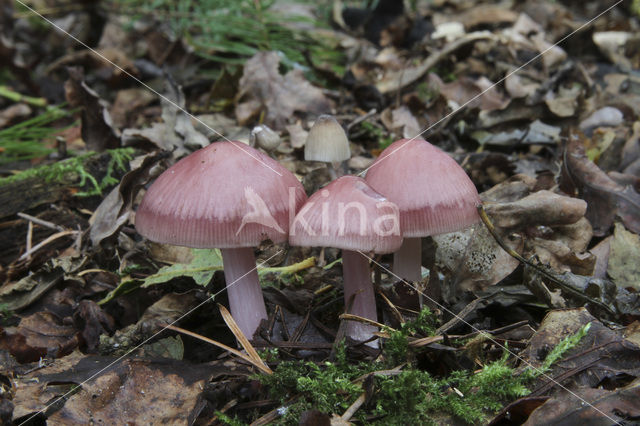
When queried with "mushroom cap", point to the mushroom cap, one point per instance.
{"points": [[433, 193], [224, 195], [327, 141], [348, 214]]}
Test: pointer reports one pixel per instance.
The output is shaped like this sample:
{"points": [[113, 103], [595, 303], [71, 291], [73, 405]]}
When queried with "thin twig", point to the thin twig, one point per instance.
{"points": [[41, 222], [354, 407], [29, 239], [48, 240], [242, 339]]}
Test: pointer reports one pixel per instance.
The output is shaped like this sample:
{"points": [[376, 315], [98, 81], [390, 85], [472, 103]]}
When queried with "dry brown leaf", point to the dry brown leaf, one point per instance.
{"points": [[39, 335], [98, 132], [262, 87], [539, 208], [605, 198]]}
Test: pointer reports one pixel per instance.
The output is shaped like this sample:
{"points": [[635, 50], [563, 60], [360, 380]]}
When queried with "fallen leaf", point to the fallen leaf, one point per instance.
{"points": [[607, 116], [131, 391], [400, 121], [605, 198], [539, 208], [98, 132], [204, 264], [92, 321], [39, 335], [624, 268], [262, 87], [176, 132], [165, 311], [116, 208]]}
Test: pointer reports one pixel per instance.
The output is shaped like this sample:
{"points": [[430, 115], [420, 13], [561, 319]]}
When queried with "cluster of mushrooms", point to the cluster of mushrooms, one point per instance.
{"points": [[232, 196]]}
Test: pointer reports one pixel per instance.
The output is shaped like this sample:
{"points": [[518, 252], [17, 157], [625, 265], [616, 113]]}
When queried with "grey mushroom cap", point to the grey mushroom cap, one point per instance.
{"points": [[327, 141]]}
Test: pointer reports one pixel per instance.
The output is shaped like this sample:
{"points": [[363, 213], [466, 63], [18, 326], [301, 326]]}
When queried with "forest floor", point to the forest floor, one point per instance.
{"points": [[532, 316]]}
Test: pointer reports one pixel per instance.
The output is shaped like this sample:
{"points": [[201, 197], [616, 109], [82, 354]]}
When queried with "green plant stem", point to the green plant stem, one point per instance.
{"points": [[19, 97]]}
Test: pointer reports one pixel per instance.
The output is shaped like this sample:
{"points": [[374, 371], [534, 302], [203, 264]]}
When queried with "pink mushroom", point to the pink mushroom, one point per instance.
{"points": [[348, 214], [228, 196], [433, 193]]}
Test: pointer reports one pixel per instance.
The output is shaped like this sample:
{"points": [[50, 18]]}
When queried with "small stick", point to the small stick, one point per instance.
{"points": [[50, 239], [351, 317], [354, 407], [41, 222], [29, 239]]}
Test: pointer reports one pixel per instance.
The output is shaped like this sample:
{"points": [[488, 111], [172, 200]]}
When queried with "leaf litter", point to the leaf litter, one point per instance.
{"points": [[553, 149]]}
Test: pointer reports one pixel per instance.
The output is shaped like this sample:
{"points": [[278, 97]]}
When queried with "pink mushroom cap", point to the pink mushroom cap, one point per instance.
{"points": [[433, 193], [348, 214], [225, 195]]}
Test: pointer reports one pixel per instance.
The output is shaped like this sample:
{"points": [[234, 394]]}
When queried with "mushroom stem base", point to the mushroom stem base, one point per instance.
{"points": [[407, 261], [243, 288], [359, 295]]}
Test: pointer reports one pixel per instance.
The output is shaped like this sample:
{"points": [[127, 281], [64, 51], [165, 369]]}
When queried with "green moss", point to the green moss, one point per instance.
{"points": [[376, 133], [412, 396], [71, 167], [396, 348]]}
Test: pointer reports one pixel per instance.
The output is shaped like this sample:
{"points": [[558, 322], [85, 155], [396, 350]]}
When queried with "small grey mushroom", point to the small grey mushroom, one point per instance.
{"points": [[263, 137]]}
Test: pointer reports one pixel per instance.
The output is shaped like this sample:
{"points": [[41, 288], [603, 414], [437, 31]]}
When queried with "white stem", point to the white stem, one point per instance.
{"points": [[358, 285], [407, 261], [243, 288]]}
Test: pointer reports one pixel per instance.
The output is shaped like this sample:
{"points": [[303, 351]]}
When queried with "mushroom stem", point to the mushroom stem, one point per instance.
{"points": [[332, 171], [407, 261], [358, 293], [243, 288]]}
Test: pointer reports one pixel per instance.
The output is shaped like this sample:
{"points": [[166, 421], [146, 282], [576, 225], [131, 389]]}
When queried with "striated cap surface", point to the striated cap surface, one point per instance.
{"points": [[348, 214], [327, 141], [224, 195], [433, 193]]}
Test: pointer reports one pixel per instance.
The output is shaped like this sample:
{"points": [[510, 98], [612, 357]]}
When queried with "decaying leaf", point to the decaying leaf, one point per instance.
{"points": [[115, 208], [165, 311], [602, 358], [98, 132], [474, 259], [130, 391], [38, 335], [176, 132], [605, 198], [624, 268], [618, 406], [20, 294], [539, 208], [263, 88]]}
